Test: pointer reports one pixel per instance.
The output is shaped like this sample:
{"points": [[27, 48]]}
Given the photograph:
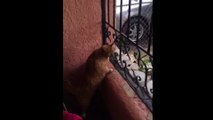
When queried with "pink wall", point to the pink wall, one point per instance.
{"points": [[81, 34]]}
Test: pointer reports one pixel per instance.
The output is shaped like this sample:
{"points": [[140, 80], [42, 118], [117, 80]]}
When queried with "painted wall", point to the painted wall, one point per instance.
{"points": [[81, 34]]}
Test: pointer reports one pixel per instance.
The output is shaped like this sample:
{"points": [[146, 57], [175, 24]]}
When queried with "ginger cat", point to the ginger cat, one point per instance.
{"points": [[96, 69]]}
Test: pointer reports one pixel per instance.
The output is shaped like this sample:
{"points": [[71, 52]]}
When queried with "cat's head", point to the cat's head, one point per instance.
{"points": [[108, 49]]}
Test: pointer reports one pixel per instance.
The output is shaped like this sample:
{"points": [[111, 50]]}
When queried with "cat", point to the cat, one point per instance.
{"points": [[95, 71]]}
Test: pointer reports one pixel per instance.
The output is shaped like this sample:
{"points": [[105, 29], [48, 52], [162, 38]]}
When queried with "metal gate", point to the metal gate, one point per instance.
{"points": [[129, 23]]}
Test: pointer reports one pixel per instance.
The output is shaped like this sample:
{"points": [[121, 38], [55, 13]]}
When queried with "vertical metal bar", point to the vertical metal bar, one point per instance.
{"points": [[103, 21], [125, 69], [114, 7], [139, 16], [129, 12], [120, 47], [139, 56], [108, 11], [150, 36], [121, 5], [128, 20], [146, 75]]}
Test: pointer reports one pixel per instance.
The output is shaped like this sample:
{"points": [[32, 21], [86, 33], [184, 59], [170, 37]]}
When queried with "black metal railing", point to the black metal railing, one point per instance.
{"points": [[131, 28]]}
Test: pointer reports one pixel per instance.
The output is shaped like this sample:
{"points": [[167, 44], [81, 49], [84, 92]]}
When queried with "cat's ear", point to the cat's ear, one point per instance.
{"points": [[110, 42]]}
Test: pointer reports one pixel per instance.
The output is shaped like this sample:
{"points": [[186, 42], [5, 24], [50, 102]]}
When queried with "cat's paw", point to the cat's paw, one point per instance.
{"points": [[110, 70]]}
